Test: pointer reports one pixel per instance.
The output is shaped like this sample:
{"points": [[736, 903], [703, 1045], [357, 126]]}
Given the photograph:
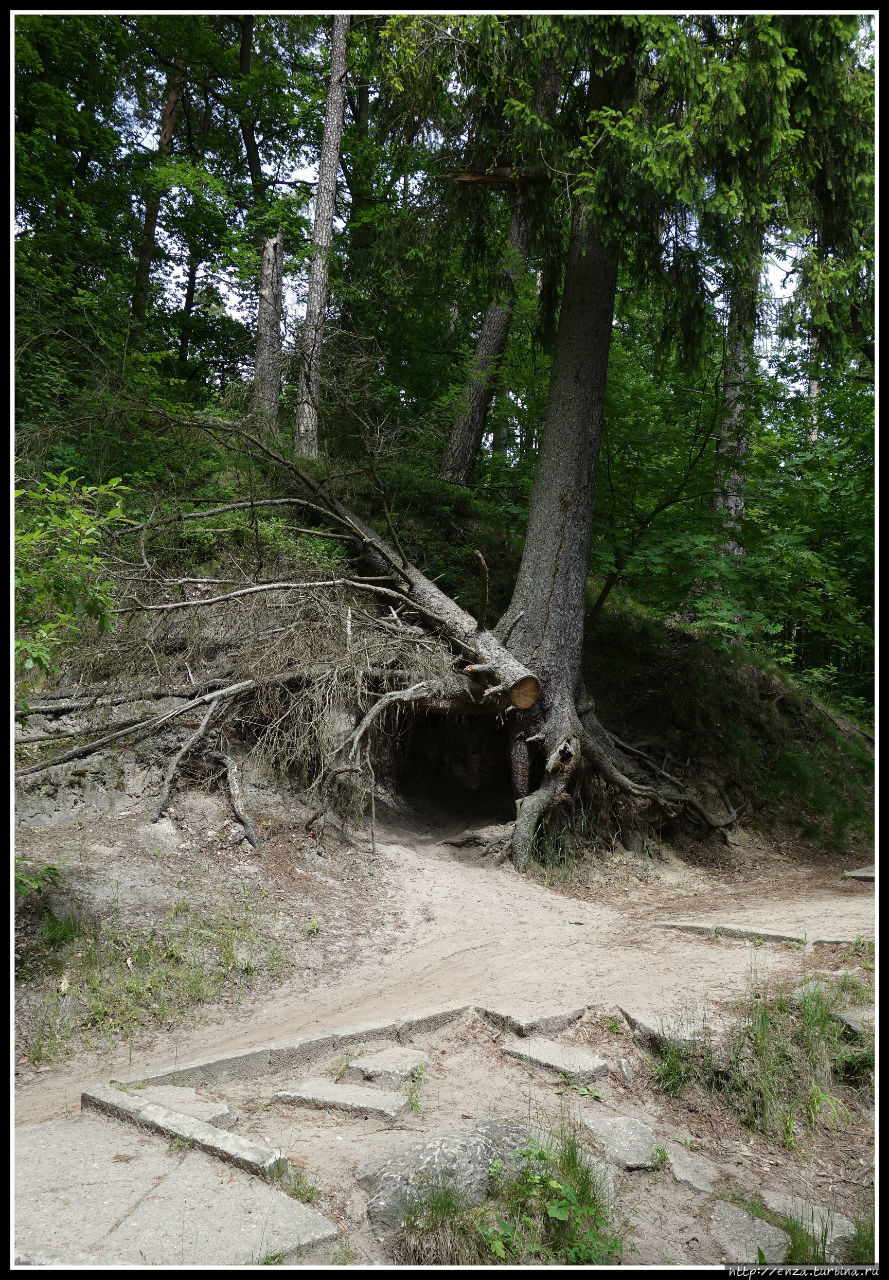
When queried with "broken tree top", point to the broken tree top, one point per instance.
{"points": [[500, 174]]}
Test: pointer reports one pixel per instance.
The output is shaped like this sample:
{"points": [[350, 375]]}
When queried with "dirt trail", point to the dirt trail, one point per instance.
{"points": [[471, 932]]}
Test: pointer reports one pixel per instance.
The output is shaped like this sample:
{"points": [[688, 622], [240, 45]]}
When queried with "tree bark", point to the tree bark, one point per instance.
{"points": [[188, 306], [733, 431], [309, 385], [267, 370], [153, 204], [469, 429], [245, 119], [546, 613]]}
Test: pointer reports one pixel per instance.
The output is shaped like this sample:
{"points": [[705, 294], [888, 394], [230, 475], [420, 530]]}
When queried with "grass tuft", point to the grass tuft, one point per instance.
{"points": [[556, 1211]]}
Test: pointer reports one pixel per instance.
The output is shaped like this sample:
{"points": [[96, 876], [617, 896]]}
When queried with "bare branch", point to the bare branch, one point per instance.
{"points": [[189, 744]]}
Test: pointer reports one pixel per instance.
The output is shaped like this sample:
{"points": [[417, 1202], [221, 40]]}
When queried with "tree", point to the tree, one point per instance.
{"points": [[267, 369], [468, 431], [313, 327], [153, 199], [647, 226]]}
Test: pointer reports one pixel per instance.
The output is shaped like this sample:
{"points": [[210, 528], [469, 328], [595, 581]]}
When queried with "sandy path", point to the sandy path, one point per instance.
{"points": [[474, 933]]}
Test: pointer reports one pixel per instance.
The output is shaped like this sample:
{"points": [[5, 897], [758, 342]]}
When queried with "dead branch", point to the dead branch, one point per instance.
{"points": [[412, 694], [237, 799], [145, 728], [150, 525], [483, 603], [188, 746]]}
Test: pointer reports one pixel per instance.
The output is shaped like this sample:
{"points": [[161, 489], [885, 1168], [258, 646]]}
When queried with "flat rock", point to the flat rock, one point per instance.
{"points": [[626, 1142], [742, 1236], [863, 873], [350, 1099], [529, 1021], [859, 1019], [388, 1068], [688, 1170], [462, 1160], [188, 1103], [822, 1223], [684, 1027], [117, 1197], [569, 1059]]}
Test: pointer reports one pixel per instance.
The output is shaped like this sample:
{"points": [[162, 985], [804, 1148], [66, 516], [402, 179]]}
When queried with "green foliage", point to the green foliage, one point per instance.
{"points": [[556, 1211], [60, 577], [116, 979], [778, 1067], [31, 880]]}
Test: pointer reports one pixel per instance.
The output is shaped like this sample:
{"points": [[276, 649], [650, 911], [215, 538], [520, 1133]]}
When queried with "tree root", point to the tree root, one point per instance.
{"points": [[187, 747], [237, 799], [578, 751]]}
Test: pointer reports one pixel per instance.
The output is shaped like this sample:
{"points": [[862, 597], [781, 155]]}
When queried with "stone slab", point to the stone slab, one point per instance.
{"points": [[581, 1064], [350, 1099], [859, 1019], [430, 1020], [119, 1198], [741, 1236], [689, 1170], [863, 873], [822, 1223], [244, 1064], [178, 1098], [272, 1059], [258, 1160], [626, 1142], [387, 1068], [729, 931], [527, 1022]]}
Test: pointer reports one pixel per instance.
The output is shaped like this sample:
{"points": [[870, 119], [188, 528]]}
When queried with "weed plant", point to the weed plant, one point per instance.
{"points": [[555, 1211], [778, 1069], [810, 1244], [295, 1183]]}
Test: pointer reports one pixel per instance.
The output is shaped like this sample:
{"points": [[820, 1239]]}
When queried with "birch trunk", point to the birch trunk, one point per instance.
{"points": [[309, 385]]}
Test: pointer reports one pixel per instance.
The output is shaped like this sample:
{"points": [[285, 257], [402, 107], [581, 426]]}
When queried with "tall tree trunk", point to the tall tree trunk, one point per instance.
{"points": [[469, 429], [245, 119], [309, 385], [544, 621], [814, 389], [194, 262], [153, 204], [267, 369], [550, 588], [733, 431]]}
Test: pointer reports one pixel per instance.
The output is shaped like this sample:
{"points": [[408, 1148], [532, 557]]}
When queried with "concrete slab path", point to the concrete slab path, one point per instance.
{"points": [[118, 1195]]}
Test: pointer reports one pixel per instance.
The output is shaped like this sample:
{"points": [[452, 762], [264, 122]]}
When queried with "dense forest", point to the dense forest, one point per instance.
{"points": [[373, 367]]}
